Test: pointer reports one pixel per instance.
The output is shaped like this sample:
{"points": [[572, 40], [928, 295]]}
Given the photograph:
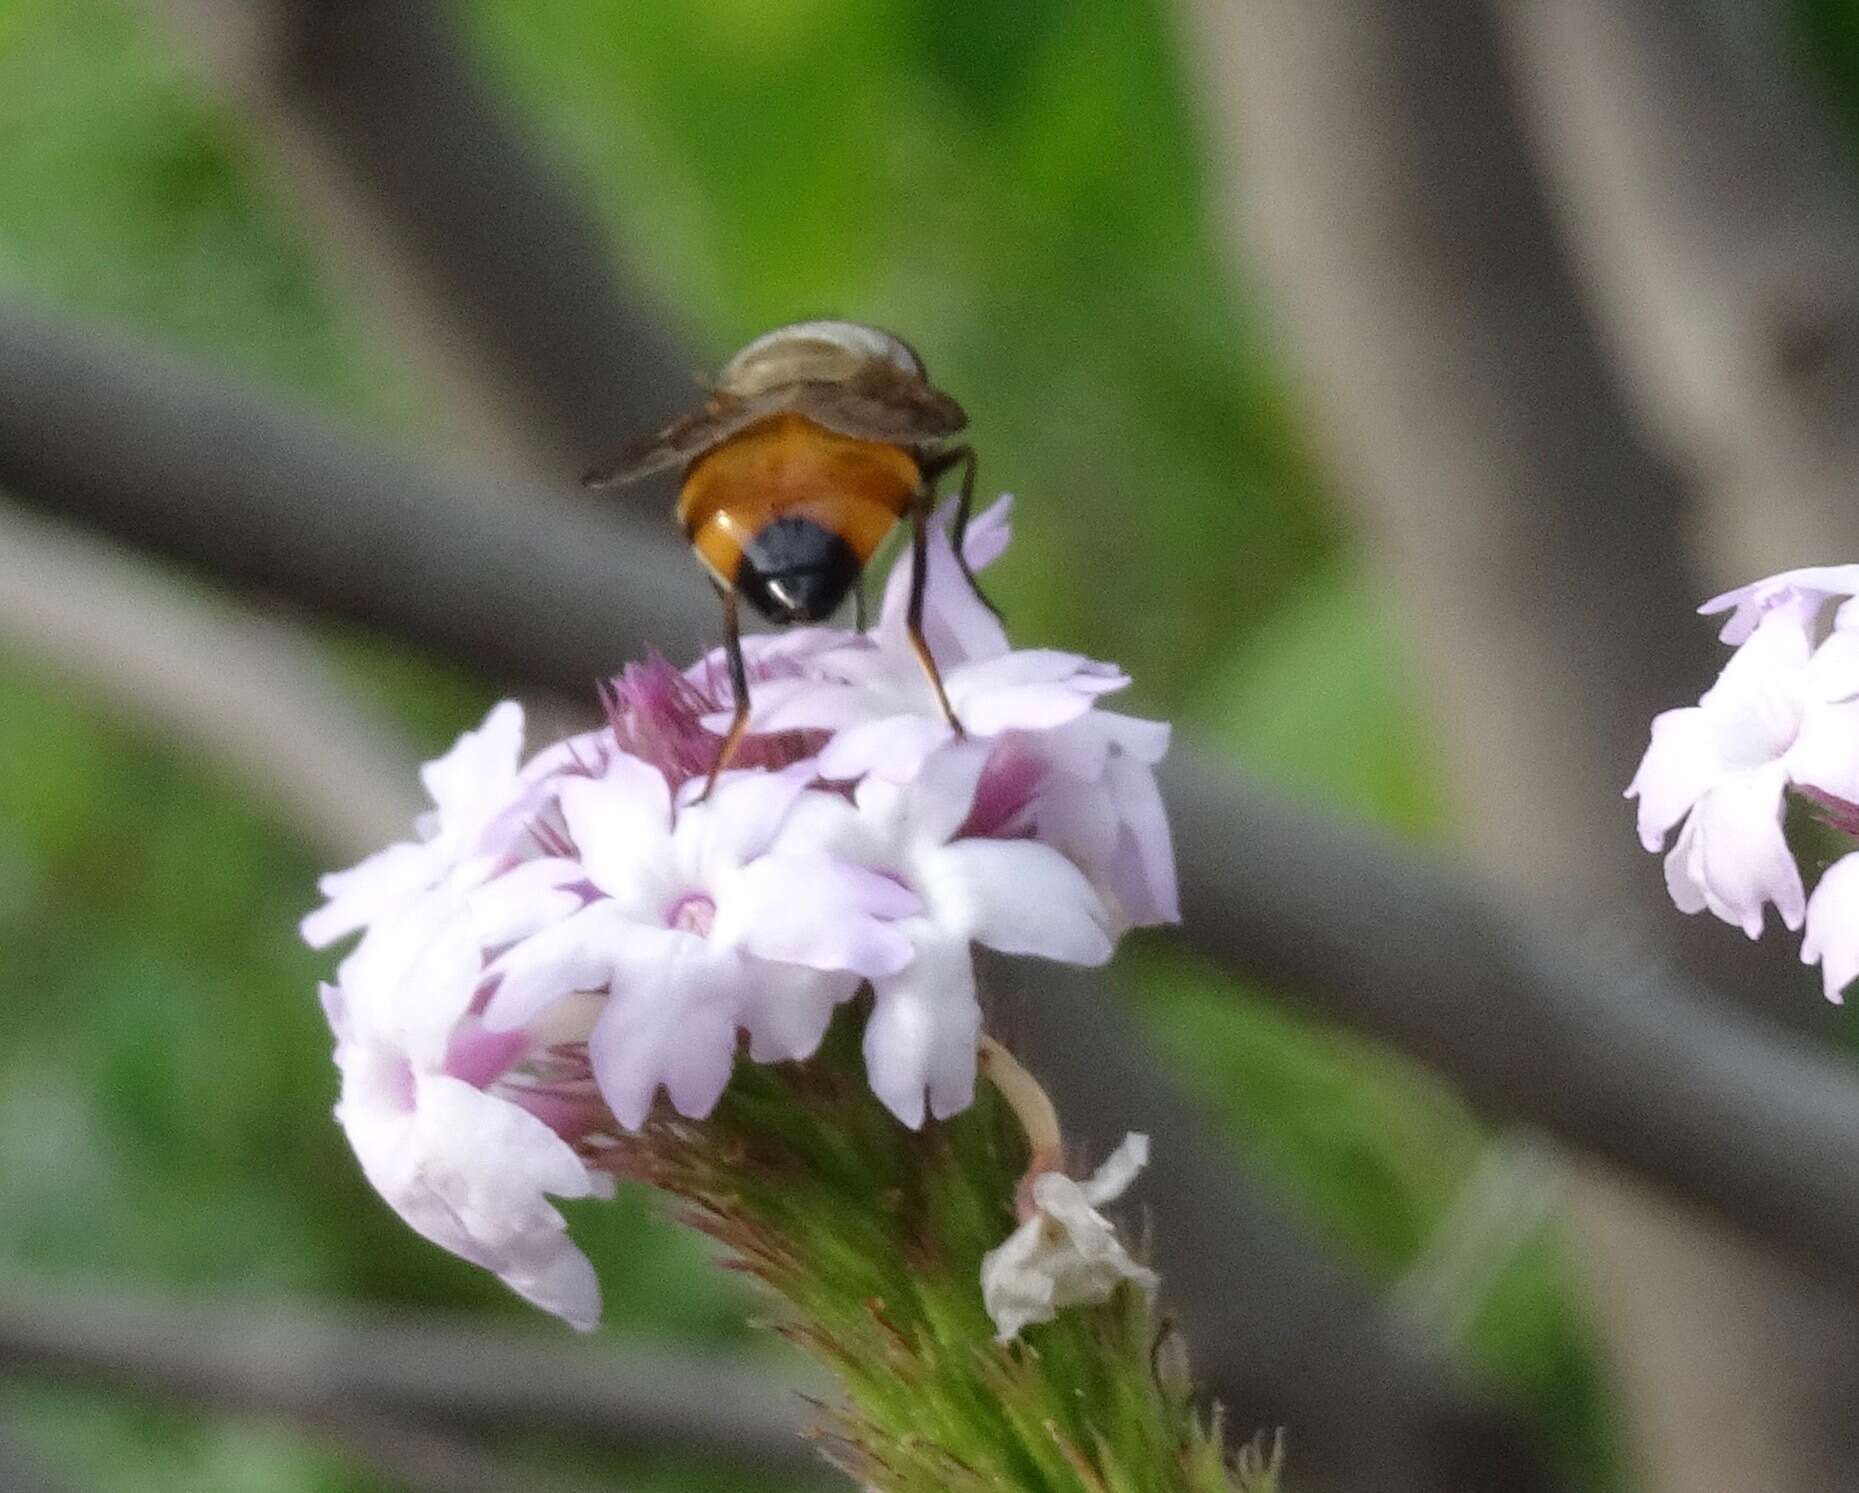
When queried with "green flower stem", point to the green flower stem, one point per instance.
{"points": [[872, 1236]]}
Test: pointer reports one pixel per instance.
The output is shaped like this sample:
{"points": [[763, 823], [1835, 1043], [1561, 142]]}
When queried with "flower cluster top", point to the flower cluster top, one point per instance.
{"points": [[573, 935], [1784, 715]]}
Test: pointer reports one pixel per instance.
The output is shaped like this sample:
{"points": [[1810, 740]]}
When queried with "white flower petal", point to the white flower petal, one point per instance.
{"points": [[738, 821], [469, 1171], [1748, 605], [471, 781], [1679, 767], [1117, 1171], [674, 1027], [1832, 939], [1731, 857], [1021, 897], [373, 888], [621, 823], [1067, 1253], [578, 953], [893, 748], [788, 1010], [525, 900], [1825, 754], [922, 1033], [956, 623], [823, 913]]}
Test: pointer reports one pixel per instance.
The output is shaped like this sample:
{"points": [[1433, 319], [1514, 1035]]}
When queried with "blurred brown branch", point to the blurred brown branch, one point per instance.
{"points": [[380, 124], [360, 1373], [1714, 217], [252, 695]]}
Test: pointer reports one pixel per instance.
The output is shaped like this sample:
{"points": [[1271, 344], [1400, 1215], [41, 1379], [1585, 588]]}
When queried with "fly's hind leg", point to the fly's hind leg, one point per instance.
{"points": [[913, 614], [964, 457], [739, 690]]}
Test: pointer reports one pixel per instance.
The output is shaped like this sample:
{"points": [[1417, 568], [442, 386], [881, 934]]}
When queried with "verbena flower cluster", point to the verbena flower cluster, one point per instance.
{"points": [[1783, 716], [571, 936]]}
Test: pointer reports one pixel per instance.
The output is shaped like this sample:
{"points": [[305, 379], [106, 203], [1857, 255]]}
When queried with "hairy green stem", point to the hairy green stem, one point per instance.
{"points": [[872, 1236]]}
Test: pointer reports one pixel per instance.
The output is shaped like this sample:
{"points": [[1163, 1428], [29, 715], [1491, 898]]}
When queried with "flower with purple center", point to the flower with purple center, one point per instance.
{"points": [[570, 938]]}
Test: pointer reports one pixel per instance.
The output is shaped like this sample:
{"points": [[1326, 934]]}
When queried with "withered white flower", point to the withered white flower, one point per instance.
{"points": [[1066, 1253]]}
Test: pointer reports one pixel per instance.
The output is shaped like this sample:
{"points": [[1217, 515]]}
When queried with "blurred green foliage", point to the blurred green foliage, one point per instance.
{"points": [[1018, 188]]}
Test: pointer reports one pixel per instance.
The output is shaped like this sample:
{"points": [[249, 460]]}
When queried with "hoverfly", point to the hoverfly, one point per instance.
{"points": [[816, 440]]}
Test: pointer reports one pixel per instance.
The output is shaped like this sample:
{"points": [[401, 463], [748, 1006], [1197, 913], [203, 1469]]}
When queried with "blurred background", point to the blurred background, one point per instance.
{"points": [[1237, 389]]}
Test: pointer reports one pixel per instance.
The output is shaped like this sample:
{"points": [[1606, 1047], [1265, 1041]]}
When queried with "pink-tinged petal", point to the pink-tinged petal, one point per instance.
{"points": [[469, 1171], [1021, 897], [1825, 754], [1678, 769], [673, 1028], [892, 748], [478, 1128], [809, 704], [524, 900], [740, 819], [1748, 605], [473, 777], [478, 1056], [374, 888], [920, 1040], [1833, 672], [563, 1283], [1027, 707], [621, 823], [933, 807], [1832, 939], [1731, 857], [812, 910], [956, 623], [989, 532], [1145, 741], [576, 954], [1142, 876], [788, 1010], [1036, 666]]}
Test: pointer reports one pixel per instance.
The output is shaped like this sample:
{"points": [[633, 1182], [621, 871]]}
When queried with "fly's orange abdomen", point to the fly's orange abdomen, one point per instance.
{"points": [[789, 467]]}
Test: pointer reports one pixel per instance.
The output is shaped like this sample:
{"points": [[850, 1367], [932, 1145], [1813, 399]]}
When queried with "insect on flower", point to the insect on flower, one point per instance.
{"points": [[817, 439]]}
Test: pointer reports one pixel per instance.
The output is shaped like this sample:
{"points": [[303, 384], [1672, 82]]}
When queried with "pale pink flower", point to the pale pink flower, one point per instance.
{"points": [[1014, 895], [465, 1133], [1065, 1253], [1780, 714], [696, 923], [569, 937]]}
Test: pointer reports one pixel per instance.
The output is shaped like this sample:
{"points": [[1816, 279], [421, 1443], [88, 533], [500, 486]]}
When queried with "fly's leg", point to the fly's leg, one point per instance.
{"points": [[913, 615], [739, 689], [945, 461]]}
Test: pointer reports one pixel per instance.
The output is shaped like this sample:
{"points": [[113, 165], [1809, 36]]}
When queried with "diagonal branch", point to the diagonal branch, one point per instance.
{"points": [[354, 1371], [1633, 1062], [1714, 215], [381, 124]]}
